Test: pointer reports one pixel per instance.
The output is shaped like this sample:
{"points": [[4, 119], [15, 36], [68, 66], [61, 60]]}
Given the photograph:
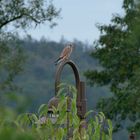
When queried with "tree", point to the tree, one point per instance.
{"points": [[118, 51], [20, 14]]}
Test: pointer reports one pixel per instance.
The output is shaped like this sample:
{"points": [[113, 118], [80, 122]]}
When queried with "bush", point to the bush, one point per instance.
{"points": [[39, 126]]}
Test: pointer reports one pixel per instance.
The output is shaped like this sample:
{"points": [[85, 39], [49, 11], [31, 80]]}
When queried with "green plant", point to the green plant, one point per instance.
{"points": [[39, 126]]}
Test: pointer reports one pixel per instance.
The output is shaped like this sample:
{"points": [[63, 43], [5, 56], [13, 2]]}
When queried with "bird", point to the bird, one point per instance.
{"points": [[65, 54]]}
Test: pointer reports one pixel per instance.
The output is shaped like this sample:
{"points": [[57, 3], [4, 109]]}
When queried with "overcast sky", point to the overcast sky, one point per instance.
{"points": [[78, 19]]}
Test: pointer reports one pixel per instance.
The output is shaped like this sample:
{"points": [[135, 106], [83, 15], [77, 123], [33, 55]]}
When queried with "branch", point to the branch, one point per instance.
{"points": [[11, 20], [18, 17]]}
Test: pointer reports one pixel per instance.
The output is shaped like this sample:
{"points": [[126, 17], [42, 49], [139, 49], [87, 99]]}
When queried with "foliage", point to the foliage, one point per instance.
{"points": [[22, 13], [11, 59], [30, 126], [16, 14], [118, 51], [37, 78]]}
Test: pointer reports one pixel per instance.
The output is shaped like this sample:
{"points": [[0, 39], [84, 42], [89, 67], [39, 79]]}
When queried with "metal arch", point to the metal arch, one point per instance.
{"points": [[59, 71], [80, 86]]}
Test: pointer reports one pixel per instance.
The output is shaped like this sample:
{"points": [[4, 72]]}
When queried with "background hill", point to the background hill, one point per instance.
{"points": [[36, 81]]}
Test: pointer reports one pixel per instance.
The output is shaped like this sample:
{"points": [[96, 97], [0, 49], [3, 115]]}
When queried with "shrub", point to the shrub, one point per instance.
{"points": [[67, 125]]}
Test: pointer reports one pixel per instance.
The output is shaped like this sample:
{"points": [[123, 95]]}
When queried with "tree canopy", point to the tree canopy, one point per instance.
{"points": [[118, 51], [21, 14]]}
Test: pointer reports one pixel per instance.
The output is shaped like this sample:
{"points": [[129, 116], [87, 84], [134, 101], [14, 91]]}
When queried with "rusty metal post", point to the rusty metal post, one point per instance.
{"points": [[59, 71], [80, 86], [82, 99]]}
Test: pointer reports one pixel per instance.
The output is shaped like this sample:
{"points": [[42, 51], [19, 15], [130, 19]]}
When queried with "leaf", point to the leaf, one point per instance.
{"points": [[43, 110], [88, 113], [24, 120], [60, 92]]}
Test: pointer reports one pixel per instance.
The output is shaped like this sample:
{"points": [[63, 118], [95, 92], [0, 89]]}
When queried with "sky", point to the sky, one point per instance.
{"points": [[78, 19]]}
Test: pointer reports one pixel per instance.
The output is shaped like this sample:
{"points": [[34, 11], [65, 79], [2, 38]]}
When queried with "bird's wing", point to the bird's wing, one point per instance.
{"points": [[65, 51]]}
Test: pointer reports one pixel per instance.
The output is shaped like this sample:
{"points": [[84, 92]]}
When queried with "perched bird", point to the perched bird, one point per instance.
{"points": [[65, 54]]}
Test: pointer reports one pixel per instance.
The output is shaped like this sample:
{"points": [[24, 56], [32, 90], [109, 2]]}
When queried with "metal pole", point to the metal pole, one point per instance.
{"points": [[80, 86], [77, 80], [82, 99], [68, 111]]}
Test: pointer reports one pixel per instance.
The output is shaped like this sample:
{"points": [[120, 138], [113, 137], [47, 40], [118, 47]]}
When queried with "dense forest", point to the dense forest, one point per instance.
{"points": [[36, 80], [34, 85]]}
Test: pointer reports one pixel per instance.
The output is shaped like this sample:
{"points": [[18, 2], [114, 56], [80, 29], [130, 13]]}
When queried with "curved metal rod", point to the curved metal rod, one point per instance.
{"points": [[80, 86], [59, 71]]}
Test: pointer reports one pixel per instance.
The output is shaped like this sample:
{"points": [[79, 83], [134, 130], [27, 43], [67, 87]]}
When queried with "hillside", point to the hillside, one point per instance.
{"points": [[37, 78]]}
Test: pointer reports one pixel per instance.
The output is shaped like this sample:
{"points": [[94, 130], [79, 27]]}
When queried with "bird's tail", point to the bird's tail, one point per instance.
{"points": [[58, 61]]}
